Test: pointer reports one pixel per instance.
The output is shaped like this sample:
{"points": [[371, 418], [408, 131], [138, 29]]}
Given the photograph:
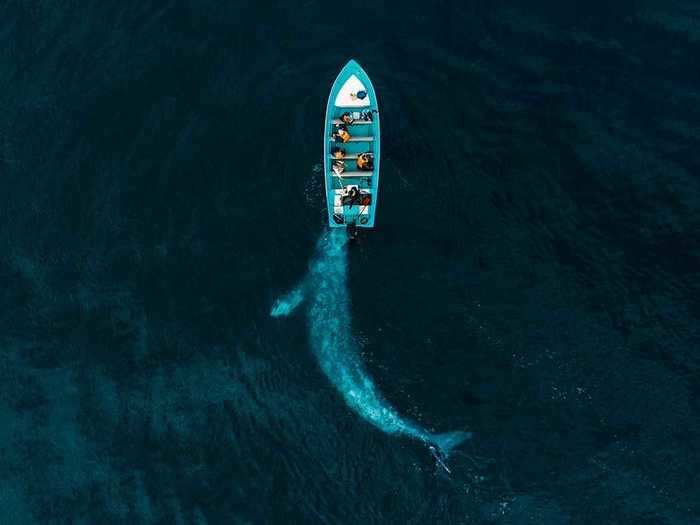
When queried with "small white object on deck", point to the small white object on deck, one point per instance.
{"points": [[347, 98]]}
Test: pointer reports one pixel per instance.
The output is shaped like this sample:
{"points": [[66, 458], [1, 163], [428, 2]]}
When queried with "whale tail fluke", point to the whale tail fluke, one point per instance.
{"points": [[449, 440], [287, 304]]}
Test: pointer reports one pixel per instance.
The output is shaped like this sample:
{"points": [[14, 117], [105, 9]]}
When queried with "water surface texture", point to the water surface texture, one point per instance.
{"points": [[533, 276]]}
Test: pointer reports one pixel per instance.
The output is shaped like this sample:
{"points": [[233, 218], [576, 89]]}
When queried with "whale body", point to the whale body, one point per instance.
{"points": [[330, 335]]}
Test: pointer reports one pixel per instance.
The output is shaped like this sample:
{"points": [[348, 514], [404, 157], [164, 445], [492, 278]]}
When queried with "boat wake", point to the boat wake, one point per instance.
{"points": [[325, 289]]}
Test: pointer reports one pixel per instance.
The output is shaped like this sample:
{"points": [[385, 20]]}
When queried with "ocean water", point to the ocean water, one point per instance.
{"points": [[533, 278]]}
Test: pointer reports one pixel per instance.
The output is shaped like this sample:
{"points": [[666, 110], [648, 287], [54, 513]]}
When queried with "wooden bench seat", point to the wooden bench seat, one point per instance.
{"points": [[347, 173], [354, 139], [352, 156], [355, 122]]}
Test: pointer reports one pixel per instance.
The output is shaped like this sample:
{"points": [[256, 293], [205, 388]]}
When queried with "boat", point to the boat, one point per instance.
{"points": [[351, 149]]}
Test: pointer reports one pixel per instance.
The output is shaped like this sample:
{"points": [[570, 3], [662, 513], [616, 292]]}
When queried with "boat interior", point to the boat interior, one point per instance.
{"points": [[352, 186]]}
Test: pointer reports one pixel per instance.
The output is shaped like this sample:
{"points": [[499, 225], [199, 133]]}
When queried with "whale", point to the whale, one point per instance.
{"points": [[324, 290]]}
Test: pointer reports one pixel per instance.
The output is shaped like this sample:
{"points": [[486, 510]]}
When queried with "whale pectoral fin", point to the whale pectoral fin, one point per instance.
{"points": [[449, 440], [286, 304]]}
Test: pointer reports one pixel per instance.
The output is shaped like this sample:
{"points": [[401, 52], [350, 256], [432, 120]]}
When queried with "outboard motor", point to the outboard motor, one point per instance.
{"points": [[351, 231]]}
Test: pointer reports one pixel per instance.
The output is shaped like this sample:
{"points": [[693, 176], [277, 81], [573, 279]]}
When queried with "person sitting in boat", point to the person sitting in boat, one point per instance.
{"points": [[338, 153], [341, 133], [347, 118], [351, 196], [365, 161], [338, 167]]}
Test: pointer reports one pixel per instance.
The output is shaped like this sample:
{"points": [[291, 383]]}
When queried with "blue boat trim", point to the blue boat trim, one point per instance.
{"points": [[365, 137]]}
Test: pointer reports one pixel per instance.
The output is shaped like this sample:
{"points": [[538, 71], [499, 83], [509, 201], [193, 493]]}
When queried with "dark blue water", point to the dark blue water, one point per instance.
{"points": [[533, 278]]}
